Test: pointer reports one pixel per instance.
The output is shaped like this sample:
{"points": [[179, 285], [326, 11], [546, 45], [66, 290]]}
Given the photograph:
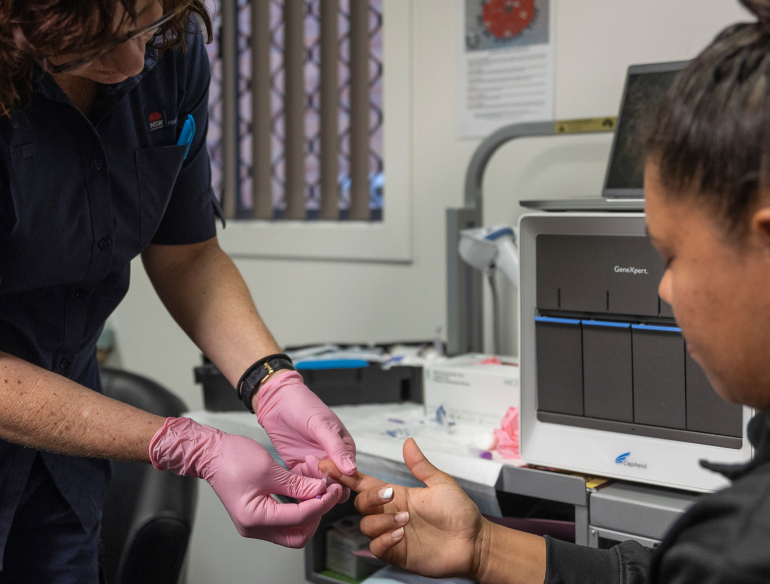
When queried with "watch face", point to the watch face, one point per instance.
{"points": [[494, 24]]}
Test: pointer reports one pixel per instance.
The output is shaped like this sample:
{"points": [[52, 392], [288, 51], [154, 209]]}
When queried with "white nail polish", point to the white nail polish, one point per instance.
{"points": [[386, 494]]}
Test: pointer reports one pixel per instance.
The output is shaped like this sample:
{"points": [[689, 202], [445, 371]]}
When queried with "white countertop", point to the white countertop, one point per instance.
{"points": [[380, 431]]}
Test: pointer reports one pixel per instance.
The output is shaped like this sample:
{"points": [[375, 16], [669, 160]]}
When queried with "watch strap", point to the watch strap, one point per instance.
{"points": [[260, 372]]}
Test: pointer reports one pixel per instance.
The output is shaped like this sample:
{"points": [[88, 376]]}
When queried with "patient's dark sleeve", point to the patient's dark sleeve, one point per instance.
{"points": [[566, 563]]}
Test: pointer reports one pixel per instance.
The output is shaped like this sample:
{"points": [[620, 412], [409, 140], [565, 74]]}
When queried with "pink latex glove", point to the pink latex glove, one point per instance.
{"points": [[508, 435], [303, 429], [244, 475]]}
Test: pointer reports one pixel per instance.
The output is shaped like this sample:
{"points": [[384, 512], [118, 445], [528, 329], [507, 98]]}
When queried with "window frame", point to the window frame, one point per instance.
{"points": [[388, 239]]}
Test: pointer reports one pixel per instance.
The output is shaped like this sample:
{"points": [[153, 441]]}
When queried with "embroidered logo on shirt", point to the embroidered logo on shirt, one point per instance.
{"points": [[161, 117], [156, 121]]}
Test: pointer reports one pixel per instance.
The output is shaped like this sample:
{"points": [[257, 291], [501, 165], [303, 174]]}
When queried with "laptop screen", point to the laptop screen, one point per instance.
{"points": [[645, 87]]}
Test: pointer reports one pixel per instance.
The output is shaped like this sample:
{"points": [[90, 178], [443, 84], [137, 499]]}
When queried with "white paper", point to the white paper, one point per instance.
{"points": [[506, 64], [381, 430]]}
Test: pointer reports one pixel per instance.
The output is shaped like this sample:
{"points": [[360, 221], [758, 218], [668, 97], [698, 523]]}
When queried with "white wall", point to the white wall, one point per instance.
{"points": [[318, 301]]}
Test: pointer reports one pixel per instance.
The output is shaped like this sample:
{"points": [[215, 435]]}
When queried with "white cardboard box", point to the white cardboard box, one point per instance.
{"points": [[471, 392]]}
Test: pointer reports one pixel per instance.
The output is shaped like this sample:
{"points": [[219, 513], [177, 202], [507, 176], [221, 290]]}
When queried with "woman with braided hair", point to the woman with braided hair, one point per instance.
{"points": [[707, 191]]}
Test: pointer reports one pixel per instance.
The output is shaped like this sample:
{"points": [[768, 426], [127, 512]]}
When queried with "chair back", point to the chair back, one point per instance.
{"points": [[148, 515]]}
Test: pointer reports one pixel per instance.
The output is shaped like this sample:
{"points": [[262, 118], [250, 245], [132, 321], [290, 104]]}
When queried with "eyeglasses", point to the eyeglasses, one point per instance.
{"points": [[95, 54]]}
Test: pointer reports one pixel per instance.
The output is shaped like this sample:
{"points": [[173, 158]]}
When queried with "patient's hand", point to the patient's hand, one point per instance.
{"points": [[435, 531]]}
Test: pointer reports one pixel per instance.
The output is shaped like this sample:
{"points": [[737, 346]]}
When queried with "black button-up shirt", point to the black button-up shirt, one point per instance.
{"points": [[79, 198]]}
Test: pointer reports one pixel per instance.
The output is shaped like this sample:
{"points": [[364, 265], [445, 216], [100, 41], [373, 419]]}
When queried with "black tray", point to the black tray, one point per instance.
{"points": [[363, 385]]}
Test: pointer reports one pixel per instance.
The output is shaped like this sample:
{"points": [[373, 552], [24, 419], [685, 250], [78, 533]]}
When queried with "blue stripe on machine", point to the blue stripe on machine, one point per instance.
{"points": [[650, 327], [556, 320], [606, 323]]}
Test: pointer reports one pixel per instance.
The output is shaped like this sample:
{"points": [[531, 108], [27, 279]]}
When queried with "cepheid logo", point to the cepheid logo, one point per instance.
{"points": [[622, 460]]}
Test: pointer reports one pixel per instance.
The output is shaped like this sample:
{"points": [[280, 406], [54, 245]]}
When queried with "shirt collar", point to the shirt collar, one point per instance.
{"points": [[759, 435], [110, 94]]}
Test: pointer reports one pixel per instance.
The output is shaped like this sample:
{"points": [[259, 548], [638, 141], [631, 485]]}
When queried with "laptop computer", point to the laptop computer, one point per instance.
{"points": [[624, 181]]}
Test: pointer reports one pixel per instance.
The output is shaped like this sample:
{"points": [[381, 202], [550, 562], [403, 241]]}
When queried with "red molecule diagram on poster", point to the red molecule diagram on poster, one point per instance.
{"points": [[507, 18]]}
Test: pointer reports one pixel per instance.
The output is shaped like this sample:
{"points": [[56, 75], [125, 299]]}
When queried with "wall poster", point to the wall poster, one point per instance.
{"points": [[506, 64]]}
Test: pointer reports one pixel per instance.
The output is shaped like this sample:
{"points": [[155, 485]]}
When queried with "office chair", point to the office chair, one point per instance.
{"points": [[148, 514]]}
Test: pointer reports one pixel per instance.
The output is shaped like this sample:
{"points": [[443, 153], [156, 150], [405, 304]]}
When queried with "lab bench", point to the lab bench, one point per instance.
{"points": [[613, 512]]}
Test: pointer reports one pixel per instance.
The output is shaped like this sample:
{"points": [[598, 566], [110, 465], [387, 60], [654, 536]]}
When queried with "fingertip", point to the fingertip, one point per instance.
{"points": [[311, 508], [310, 467], [326, 466], [382, 544], [330, 498], [344, 462], [411, 444], [334, 491], [306, 488], [348, 464]]}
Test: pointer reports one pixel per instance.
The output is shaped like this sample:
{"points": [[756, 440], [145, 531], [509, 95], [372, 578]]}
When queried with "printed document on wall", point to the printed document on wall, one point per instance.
{"points": [[506, 62]]}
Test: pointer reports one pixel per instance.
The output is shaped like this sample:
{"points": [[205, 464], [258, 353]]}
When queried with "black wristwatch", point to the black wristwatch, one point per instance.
{"points": [[258, 373]]}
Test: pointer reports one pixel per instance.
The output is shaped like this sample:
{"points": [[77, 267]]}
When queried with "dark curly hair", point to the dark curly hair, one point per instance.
{"points": [[33, 30], [711, 137]]}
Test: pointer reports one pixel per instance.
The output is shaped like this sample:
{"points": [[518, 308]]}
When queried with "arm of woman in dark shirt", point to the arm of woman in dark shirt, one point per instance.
{"points": [[206, 295], [47, 411]]}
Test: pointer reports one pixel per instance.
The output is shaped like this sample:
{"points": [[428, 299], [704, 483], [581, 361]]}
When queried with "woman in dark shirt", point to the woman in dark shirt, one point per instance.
{"points": [[94, 95], [707, 188]]}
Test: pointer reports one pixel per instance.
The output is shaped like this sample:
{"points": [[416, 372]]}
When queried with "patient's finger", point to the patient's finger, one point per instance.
{"points": [[310, 468], [381, 547], [372, 501], [357, 482], [375, 525]]}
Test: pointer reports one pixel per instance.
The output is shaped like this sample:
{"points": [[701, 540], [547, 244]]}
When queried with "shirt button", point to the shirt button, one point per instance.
{"points": [[96, 165], [80, 293], [64, 364], [105, 243]]}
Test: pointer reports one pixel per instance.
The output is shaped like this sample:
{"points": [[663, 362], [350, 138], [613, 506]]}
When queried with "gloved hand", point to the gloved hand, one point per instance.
{"points": [[244, 475], [303, 429]]}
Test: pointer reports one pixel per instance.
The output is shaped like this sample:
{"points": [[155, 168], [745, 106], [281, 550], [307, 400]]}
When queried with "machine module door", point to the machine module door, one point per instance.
{"points": [[609, 355]]}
